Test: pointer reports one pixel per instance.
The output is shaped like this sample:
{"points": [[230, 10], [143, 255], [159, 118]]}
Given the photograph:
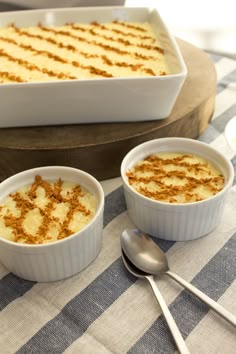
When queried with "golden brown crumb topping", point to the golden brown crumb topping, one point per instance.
{"points": [[78, 51], [30, 206], [176, 178]]}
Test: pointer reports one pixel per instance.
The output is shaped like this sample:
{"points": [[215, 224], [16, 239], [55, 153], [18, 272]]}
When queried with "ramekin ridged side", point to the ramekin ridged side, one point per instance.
{"points": [[176, 222], [185, 222], [61, 259]]}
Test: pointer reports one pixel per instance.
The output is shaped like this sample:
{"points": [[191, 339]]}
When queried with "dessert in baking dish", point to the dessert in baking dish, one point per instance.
{"points": [[46, 211], [80, 51], [176, 178]]}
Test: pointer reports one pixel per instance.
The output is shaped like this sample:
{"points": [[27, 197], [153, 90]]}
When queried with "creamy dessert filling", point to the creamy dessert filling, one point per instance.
{"points": [[176, 177], [45, 211], [80, 51]]}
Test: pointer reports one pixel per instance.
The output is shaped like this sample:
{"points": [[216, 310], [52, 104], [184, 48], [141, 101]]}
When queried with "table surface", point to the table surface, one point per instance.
{"points": [[104, 310]]}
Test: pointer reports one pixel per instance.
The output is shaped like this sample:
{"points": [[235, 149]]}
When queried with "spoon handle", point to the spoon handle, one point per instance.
{"points": [[211, 303], [169, 319]]}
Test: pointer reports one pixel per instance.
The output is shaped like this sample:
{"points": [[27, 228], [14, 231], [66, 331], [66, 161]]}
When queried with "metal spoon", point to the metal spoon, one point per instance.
{"points": [[166, 312], [144, 253]]}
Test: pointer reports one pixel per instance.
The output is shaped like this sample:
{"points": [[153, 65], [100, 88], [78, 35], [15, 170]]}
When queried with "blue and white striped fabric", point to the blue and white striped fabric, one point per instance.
{"points": [[105, 310]]}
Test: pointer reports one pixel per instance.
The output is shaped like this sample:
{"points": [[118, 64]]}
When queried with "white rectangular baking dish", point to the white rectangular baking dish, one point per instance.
{"points": [[92, 100]]}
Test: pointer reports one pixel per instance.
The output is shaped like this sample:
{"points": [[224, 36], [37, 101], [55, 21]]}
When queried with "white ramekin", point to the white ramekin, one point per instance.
{"points": [[63, 258], [176, 222]]}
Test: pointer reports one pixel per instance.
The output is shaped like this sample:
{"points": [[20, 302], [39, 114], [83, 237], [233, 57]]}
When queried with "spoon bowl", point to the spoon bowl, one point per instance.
{"points": [[147, 256], [141, 250], [138, 273]]}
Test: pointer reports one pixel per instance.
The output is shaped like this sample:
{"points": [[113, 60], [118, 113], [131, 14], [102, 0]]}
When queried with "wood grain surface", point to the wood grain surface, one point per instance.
{"points": [[99, 148]]}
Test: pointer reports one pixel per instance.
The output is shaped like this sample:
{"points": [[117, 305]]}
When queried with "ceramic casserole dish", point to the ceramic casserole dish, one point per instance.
{"points": [[93, 100]]}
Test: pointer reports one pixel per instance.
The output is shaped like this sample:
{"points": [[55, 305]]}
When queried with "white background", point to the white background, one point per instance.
{"points": [[208, 24]]}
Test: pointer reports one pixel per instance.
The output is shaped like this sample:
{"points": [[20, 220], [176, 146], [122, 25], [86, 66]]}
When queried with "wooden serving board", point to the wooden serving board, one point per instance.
{"points": [[99, 148]]}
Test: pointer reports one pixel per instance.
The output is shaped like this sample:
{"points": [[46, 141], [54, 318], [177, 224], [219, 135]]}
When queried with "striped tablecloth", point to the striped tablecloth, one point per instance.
{"points": [[105, 310]]}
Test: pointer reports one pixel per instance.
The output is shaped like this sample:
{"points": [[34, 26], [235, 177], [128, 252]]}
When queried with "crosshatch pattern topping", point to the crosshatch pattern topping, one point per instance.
{"points": [[46, 211]]}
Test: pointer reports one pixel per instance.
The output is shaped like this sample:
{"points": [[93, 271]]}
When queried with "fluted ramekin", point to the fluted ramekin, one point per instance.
{"points": [[176, 222], [60, 259]]}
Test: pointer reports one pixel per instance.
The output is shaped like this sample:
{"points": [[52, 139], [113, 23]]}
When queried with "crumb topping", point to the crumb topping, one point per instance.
{"points": [[77, 51], [176, 178], [45, 211]]}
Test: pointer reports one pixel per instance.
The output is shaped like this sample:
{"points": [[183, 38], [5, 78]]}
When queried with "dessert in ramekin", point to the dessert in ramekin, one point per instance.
{"points": [[185, 207], [51, 222]]}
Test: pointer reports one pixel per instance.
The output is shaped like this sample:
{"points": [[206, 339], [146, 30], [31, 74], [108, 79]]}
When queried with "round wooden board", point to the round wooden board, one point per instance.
{"points": [[99, 148]]}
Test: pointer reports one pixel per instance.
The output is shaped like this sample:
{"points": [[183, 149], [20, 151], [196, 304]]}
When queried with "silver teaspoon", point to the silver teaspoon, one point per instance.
{"points": [[145, 254], [180, 343]]}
